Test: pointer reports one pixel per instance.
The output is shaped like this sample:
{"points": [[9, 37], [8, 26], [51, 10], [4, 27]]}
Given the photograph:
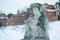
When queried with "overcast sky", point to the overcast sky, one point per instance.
{"points": [[12, 5]]}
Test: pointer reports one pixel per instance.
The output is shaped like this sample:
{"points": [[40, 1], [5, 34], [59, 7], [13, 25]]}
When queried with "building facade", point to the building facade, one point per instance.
{"points": [[3, 19], [51, 12], [57, 7]]}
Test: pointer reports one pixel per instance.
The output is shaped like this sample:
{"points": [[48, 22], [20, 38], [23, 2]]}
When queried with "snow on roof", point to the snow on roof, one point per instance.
{"points": [[3, 17], [49, 10]]}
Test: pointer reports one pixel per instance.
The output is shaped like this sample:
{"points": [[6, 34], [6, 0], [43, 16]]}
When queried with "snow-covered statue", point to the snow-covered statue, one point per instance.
{"points": [[36, 24]]}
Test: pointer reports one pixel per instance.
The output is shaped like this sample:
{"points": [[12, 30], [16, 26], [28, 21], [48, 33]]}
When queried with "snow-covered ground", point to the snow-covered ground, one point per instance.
{"points": [[17, 32], [54, 31], [12, 32]]}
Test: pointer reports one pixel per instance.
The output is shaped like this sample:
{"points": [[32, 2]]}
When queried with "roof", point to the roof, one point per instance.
{"points": [[48, 10], [51, 7]]}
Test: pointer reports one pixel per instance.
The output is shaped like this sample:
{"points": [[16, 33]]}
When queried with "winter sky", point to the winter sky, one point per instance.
{"points": [[12, 5]]}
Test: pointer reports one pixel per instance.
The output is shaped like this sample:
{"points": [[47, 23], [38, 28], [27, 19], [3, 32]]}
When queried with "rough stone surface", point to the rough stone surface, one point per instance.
{"points": [[36, 28]]}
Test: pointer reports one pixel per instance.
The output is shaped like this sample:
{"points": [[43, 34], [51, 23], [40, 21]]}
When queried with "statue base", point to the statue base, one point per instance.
{"points": [[35, 38]]}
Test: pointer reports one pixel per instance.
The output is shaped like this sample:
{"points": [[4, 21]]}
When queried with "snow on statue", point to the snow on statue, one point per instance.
{"points": [[36, 24]]}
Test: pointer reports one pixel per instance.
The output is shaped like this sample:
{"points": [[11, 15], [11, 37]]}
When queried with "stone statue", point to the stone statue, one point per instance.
{"points": [[36, 24]]}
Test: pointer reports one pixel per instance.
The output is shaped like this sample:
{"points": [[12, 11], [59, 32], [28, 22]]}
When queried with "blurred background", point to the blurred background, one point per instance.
{"points": [[14, 12]]}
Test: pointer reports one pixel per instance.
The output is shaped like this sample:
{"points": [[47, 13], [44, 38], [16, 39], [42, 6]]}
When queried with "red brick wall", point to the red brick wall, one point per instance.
{"points": [[52, 16]]}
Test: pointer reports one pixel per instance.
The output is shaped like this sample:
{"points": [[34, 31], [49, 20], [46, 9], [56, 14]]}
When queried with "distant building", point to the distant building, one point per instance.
{"points": [[3, 19], [11, 20], [17, 19], [20, 17], [51, 12], [57, 7]]}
